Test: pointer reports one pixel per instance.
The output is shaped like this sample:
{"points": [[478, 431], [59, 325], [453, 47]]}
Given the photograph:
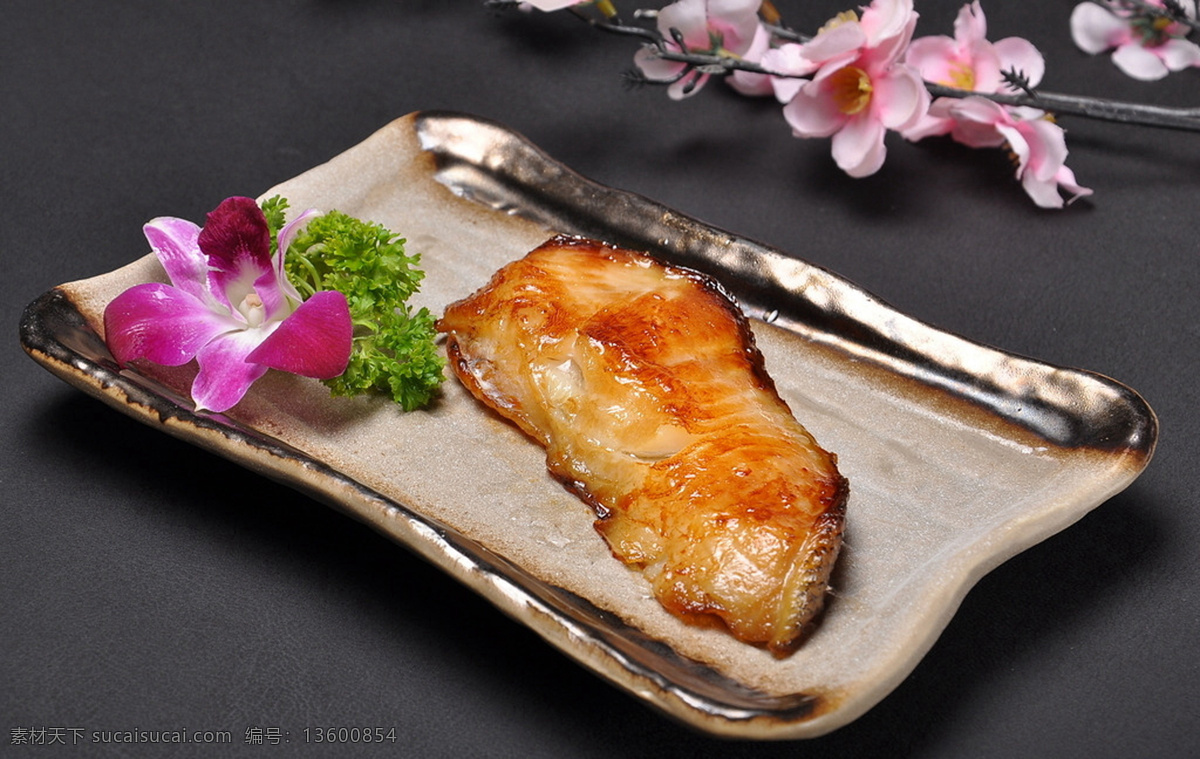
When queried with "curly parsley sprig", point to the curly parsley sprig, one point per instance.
{"points": [[394, 351]]}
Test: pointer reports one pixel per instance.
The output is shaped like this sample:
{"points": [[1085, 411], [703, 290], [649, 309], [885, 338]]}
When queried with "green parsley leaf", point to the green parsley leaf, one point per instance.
{"points": [[394, 351], [275, 209]]}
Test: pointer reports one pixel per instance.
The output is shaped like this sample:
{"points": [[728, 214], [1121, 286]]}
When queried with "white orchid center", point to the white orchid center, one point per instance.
{"points": [[252, 309]]}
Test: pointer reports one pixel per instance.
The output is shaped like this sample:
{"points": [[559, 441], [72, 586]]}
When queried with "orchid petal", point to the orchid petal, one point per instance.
{"points": [[1139, 63], [1020, 54], [289, 231], [174, 243], [161, 323], [293, 228], [858, 147], [225, 375], [237, 242], [275, 303], [1095, 29], [284, 242], [315, 341]]}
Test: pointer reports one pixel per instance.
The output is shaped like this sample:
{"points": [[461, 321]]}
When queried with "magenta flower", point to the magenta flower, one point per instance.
{"points": [[229, 306], [859, 89], [720, 27], [970, 62], [1038, 145], [1146, 46]]}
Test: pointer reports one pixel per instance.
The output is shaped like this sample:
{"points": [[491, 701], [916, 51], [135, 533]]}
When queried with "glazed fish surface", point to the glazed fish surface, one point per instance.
{"points": [[644, 385]]}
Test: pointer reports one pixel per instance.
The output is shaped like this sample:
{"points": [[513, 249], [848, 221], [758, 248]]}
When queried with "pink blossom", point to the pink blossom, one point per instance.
{"points": [[1146, 46], [1037, 144], [970, 62], [748, 82], [720, 27], [859, 88], [229, 306]]}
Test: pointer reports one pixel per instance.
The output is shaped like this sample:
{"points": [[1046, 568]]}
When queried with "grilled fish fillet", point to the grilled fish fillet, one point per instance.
{"points": [[644, 385]]}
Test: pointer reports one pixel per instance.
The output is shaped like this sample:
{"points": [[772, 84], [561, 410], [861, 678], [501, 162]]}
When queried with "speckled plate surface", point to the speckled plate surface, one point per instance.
{"points": [[959, 456]]}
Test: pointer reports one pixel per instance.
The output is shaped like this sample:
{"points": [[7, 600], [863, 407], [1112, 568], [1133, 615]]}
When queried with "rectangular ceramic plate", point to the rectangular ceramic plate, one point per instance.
{"points": [[959, 456]]}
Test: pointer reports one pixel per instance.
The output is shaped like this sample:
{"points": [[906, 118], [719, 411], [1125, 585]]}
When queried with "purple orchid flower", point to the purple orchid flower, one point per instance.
{"points": [[230, 306]]}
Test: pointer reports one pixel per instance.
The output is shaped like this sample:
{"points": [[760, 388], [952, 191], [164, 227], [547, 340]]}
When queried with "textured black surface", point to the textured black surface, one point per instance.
{"points": [[147, 585]]}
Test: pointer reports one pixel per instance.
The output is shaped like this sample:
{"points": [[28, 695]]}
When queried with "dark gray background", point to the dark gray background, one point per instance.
{"points": [[148, 585]]}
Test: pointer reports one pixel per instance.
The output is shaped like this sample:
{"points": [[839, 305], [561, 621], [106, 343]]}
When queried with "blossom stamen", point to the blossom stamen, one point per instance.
{"points": [[851, 89], [962, 76], [1013, 158], [845, 17]]}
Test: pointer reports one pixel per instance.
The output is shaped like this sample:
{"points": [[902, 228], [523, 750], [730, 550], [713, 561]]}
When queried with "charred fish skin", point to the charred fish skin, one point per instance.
{"points": [[644, 384]]}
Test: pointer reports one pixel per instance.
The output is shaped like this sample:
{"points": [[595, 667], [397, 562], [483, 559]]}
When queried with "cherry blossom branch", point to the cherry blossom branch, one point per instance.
{"points": [[1101, 109], [864, 74]]}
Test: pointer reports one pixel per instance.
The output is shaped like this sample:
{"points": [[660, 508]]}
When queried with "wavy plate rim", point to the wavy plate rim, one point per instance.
{"points": [[489, 165]]}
